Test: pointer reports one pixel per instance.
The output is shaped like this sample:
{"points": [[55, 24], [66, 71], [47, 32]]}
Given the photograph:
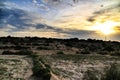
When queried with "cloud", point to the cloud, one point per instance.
{"points": [[115, 37], [20, 18], [34, 1], [40, 5], [57, 18], [111, 12], [66, 16], [32, 31], [14, 17], [47, 31], [17, 22], [82, 34], [8, 28], [117, 29], [5, 31], [1, 3]]}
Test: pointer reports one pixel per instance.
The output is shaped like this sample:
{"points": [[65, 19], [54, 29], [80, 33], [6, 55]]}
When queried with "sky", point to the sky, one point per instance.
{"points": [[82, 19]]}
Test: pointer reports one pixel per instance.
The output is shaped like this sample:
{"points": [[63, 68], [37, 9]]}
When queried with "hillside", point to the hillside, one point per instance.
{"points": [[52, 45], [33, 58]]}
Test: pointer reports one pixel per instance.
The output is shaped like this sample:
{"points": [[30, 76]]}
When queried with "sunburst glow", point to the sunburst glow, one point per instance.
{"points": [[106, 27]]}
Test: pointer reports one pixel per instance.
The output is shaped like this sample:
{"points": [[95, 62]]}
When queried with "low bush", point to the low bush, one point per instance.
{"points": [[8, 53], [108, 48], [115, 53], [23, 52], [78, 52], [103, 52], [21, 48], [43, 48], [39, 70], [113, 73], [60, 52], [85, 52], [90, 75]]}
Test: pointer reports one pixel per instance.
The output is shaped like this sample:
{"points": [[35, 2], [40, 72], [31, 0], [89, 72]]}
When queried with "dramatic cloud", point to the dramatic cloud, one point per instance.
{"points": [[59, 18]]}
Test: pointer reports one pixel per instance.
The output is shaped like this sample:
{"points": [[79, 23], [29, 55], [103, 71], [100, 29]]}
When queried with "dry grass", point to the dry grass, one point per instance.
{"points": [[15, 68], [74, 67]]}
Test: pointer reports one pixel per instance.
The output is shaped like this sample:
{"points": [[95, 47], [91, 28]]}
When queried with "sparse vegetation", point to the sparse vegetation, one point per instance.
{"points": [[64, 62], [40, 69], [88, 46], [112, 73], [13, 67], [3, 70], [90, 75]]}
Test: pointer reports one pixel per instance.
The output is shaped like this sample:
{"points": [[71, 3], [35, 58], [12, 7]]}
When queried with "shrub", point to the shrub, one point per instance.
{"points": [[103, 52], [113, 73], [20, 48], [60, 52], [78, 52], [115, 53], [108, 49], [8, 53], [39, 70], [85, 52], [90, 75], [23, 52], [43, 48]]}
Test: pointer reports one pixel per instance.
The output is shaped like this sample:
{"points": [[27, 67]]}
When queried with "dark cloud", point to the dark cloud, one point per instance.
{"points": [[1, 6], [81, 33], [91, 19], [15, 17], [117, 6], [75, 1], [43, 26], [20, 20]]}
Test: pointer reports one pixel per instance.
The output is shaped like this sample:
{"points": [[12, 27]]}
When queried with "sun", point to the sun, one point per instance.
{"points": [[105, 28]]}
